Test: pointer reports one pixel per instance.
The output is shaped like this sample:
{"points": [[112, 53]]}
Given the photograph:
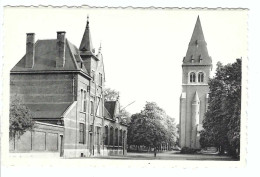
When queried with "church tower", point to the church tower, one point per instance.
{"points": [[196, 69]]}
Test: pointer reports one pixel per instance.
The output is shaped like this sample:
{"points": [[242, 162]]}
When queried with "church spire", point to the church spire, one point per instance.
{"points": [[197, 53], [86, 42]]}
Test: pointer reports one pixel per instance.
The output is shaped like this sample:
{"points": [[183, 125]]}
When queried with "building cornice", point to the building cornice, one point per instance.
{"points": [[188, 65], [51, 72], [195, 84]]}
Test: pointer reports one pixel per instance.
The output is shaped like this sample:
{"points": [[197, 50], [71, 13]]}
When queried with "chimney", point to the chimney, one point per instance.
{"points": [[60, 47], [30, 50]]}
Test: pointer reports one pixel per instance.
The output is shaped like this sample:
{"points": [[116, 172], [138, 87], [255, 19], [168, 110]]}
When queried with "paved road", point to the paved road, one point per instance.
{"points": [[169, 155]]}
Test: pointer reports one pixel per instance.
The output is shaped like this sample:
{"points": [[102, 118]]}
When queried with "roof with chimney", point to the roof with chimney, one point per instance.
{"points": [[197, 53], [45, 58]]}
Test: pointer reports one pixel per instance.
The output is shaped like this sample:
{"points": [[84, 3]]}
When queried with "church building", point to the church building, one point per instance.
{"points": [[62, 86], [196, 68]]}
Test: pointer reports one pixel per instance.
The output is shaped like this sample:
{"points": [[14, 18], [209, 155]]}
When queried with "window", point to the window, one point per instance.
{"points": [[85, 101], [116, 136], [120, 137], [99, 109], [192, 77], [200, 59], [91, 107], [111, 139], [81, 133], [192, 59], [200, 77], [106, 135], [100, 79], [93, 75], [83, 96]]}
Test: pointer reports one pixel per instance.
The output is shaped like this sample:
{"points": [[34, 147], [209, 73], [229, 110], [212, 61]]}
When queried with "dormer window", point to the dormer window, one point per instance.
{"points": [[200, 59], [192, 59], [192, 77], [196, 43], [201, 77]]}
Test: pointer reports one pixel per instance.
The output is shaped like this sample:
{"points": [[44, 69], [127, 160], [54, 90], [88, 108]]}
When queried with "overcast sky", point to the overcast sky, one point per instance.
{"points": [[142, 49]]}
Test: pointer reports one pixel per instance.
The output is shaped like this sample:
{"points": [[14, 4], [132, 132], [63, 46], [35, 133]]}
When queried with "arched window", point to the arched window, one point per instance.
{"points": [[111, 139], [116, 137], [201, 77], [120, 137], [192, 77], [106, 135]]}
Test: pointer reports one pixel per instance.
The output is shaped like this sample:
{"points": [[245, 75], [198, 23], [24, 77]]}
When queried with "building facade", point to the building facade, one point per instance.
{"points": [[62, 85], [196, 68]]}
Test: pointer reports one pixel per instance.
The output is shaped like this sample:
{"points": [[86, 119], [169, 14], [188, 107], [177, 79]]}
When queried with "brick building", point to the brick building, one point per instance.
{"points": [[63, 86], [196, 69]]}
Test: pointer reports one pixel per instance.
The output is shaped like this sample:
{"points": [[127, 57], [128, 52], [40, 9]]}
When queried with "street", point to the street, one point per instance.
{"points": [[168, 155]]}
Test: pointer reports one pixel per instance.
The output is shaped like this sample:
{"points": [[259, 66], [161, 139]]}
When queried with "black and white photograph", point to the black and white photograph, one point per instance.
{"points": [[125, 86]]}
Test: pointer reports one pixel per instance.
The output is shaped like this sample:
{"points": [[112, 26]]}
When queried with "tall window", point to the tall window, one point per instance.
{"points": [[91, 107], [93, 75], [106, 135], [192, 77], [116, 137], [111, 139], [200, 77], [85, 101], [81, 133], [83, 96], [120, 137], [100, 79], [99, 110]]}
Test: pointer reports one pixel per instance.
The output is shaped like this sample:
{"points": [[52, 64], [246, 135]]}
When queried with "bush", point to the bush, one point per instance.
{"points": [[187, 150]]}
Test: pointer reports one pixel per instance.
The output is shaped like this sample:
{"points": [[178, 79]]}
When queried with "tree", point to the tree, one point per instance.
{"points": [[222, 120], [111, 94], [151, 127], [20, 119]]}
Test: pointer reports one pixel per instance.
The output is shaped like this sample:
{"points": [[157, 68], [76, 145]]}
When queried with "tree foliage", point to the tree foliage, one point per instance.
{"points": [[113, 95], [110, 94], [222, 120], [151, 127], [20, 119]]}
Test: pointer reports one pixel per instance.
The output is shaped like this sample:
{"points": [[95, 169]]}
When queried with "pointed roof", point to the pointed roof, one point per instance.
{"points": [[196, 97], [197, 53], [197, 32], [86, 42]]}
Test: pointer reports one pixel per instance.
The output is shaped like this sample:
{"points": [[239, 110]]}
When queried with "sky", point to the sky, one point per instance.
{"points": [[142, 48]]}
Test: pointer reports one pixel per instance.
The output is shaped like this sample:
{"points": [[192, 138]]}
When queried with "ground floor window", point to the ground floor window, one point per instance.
{"points": [[120, 137], [82, 133], [116, 137], [111, 139]]}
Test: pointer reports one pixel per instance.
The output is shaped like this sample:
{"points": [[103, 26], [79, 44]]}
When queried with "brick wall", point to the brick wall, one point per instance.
{"points": [[44, 138], [42, 88]]}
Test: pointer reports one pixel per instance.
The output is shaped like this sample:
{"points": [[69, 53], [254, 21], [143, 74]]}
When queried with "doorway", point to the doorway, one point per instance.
{"points": [[61, 146]]}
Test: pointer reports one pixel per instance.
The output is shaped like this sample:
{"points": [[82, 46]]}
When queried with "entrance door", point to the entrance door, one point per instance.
{"points": [[61, 146], [90, 143], [123, 146], [98, 140]]}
